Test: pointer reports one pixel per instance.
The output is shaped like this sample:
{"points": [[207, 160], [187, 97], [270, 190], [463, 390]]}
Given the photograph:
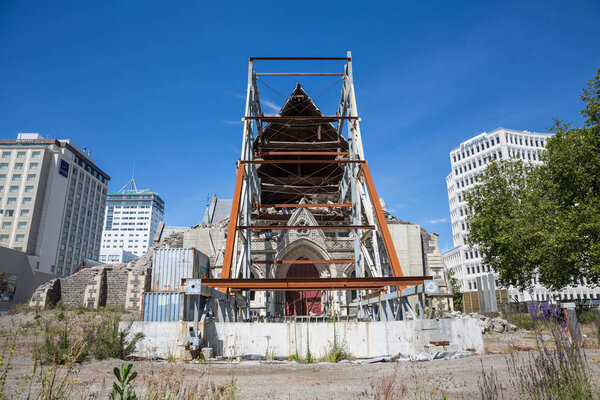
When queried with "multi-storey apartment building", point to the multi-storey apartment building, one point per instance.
{"points": [[130, 224], [469, 160], [52, 199]]}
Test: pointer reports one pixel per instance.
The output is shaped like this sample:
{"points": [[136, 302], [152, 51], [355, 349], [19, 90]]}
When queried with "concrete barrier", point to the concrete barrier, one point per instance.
{"points": [[361, 339]]}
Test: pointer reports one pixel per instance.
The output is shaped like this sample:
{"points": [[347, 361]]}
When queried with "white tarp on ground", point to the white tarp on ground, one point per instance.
{"points": [[440, 355]]}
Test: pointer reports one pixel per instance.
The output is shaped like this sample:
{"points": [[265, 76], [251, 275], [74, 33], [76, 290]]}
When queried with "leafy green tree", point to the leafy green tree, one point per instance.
{"points": [[457, 296], [544, 219]]}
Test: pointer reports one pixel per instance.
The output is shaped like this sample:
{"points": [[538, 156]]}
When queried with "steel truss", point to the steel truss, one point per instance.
{"points": [[356, 191]]}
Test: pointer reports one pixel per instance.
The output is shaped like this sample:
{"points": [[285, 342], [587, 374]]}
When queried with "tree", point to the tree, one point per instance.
{"points": [[544, 220], [457, 296]]}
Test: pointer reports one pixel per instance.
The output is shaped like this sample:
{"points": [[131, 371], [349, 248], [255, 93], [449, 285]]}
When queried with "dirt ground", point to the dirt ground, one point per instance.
{"points": [[454, 379]]}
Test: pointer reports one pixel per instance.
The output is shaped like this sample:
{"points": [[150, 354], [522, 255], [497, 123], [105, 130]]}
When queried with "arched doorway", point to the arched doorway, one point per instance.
{"points": [[303, 302]]}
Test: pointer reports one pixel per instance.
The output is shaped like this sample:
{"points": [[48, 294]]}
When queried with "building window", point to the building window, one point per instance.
{"points": [[67, 271], [52, 268], [30, 177], [22, 225], [20, 154], [33, 165], [59, 270], [16, 177], [19, 238], [3, 238], [6, 154], [26, 200], [19, 165], [37, 265], [11, 201], [35, 154], [2, 177], [9, 213], [28, 189], [14, 189], [3, 165]]}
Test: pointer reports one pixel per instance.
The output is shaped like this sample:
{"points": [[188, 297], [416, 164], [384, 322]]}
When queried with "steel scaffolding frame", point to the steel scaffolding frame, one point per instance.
{"points": [[356, 191]]}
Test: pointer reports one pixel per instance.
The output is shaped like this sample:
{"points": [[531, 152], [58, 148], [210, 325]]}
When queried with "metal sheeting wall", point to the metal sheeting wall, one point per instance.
{"points": [[163, 307], [169, 266]]}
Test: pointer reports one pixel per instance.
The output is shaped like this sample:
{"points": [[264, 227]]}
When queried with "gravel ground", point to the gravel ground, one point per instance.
{"points": [[454, 379]]}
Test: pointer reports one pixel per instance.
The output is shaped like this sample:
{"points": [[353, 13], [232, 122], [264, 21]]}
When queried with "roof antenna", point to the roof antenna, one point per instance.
{"points": [[131, 184]]}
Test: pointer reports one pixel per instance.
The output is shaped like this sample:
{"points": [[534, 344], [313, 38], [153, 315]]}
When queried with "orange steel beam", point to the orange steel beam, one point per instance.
{"points": [[303, 162], [286, 262], [299, 118], [381, 222], [301, 58], [284, 227], [300, 74], [314, 283], [231, 232], [302, 153], [302, 205]]}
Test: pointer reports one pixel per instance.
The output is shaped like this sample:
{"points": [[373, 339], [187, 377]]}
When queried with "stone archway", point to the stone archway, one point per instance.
{"points": [[281, 303]]}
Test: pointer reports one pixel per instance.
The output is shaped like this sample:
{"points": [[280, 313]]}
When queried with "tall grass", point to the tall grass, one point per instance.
{"points": [[556, 370], [107, 340]]}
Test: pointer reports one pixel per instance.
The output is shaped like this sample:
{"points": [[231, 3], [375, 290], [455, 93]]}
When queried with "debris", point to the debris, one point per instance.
{"points": [[488, 324], [440, 355]]}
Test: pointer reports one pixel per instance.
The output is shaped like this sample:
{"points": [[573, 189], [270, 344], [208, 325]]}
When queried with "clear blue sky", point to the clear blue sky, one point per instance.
{"points": [[162, 83]]}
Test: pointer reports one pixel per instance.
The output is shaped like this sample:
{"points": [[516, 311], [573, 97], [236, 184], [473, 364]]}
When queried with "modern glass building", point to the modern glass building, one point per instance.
{"points": [[130, 223]]}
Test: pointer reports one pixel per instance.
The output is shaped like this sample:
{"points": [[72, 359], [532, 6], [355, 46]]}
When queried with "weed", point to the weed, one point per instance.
{"points": [[5, 360], [56, 381], [122, 389], [295, 357], [309, 358], [387, 387], [490, 387], [338, 351], [521, 320], [587, 317], [110, 341], [58, 345], [556, 370]]}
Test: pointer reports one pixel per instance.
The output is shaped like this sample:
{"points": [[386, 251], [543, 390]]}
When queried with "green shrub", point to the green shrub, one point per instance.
{"points": [[111, 342], [521, 320], [59, 344], [587, 317]]}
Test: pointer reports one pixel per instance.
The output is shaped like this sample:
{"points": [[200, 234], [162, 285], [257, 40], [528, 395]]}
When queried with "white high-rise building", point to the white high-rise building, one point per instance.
{"points": [[130, 223], [52, 199], [469, 160]]}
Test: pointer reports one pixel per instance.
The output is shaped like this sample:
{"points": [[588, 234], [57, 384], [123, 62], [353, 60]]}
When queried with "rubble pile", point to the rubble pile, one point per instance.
{"points": [[173, 241], [488, 324]]}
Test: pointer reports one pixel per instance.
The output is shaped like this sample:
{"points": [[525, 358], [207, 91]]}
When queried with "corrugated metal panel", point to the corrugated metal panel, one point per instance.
{"points": [[161, 307], [169, 266], [204, 263]]}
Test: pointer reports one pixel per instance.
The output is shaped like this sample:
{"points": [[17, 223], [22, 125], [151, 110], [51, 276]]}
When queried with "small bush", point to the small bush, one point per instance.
{"points": [[111, 342], [587, 317], [295, 357], [59, 343], [521, 320], [337, 352]]}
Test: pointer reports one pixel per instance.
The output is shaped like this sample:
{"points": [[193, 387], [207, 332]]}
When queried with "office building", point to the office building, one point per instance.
{"points": [[131, 220], [52, 199], [467, 161]]}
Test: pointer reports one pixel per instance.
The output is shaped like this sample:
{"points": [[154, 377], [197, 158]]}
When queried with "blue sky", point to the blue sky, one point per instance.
{"points": [[162, 83]]}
